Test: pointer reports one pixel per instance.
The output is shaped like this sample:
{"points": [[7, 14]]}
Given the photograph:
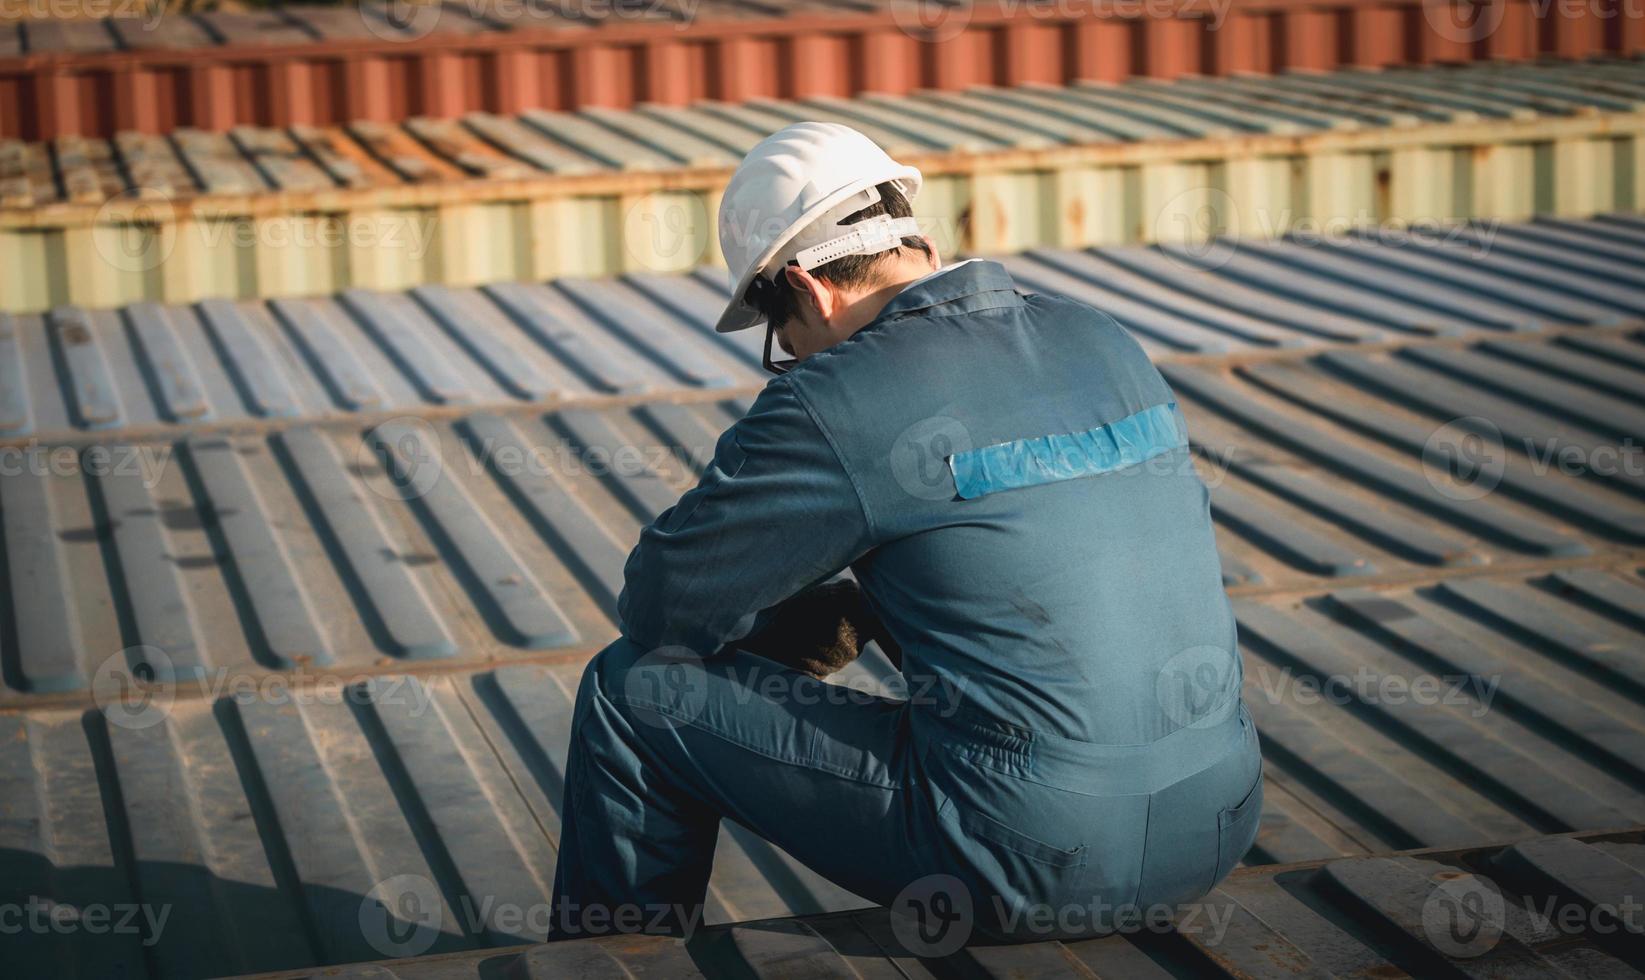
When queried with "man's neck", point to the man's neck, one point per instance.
{"points": [[908, 270]]}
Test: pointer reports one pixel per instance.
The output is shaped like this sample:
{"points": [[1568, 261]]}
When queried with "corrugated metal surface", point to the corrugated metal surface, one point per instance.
{"points": [[223, 70], [292, 550], [502, 534], [491, 198], [149, 371], [356, 592], [1478, 912], [279, 542], [264, 822]]}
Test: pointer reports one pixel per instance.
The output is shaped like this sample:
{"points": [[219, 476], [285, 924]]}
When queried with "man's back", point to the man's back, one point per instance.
{"points": [[1041, 542]]}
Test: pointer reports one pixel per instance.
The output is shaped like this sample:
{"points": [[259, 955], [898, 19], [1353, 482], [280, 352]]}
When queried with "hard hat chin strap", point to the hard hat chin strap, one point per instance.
{"points": [[876, 234]]}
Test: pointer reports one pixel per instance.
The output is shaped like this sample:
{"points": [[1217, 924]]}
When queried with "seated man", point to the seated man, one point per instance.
{"points": [[1009, 480]]}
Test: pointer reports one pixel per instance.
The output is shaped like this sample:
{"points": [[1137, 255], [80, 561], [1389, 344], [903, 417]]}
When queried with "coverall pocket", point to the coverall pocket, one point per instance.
{"points": [[1237, 830], [986, 828]]}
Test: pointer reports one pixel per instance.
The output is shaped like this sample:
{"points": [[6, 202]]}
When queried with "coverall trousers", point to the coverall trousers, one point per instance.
{"points": [[1038, 837]]}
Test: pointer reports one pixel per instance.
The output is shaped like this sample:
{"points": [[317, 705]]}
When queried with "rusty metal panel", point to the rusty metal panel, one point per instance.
{"points": [[388, 61], [488, 198]]}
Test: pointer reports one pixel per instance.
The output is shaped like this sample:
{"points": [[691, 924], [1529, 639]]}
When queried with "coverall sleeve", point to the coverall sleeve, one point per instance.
{"points": [[775, 512]]}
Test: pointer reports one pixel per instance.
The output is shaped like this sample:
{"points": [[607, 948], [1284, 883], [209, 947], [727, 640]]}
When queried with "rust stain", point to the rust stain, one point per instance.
{"points": [[1076, 214]]}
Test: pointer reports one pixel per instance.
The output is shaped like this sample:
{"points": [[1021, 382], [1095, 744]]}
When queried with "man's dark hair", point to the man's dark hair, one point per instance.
{"points": [[780, 301]]}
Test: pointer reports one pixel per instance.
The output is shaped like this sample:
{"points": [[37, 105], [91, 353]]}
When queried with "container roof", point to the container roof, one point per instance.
{"points": [[375, 603], [1480, 911], [354, 163]]}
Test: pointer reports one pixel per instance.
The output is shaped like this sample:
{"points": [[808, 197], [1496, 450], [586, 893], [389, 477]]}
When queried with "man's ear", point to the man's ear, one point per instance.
{"points": [[813, 292], [936, 257]]}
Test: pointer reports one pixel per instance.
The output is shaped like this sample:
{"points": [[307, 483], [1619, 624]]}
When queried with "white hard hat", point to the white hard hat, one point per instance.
{"points": [[788, 197]]}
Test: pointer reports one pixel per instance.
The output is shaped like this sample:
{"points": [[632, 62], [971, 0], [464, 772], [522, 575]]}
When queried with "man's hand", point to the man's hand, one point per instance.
{"points": [[821, 630]]}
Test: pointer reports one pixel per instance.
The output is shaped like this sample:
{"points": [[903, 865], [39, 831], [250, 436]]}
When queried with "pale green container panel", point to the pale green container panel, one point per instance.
{"points": [[1006, 204], [1013, 211], [667, 231], [1342, 186], [1504, 183], [1182, 203], [449, 243], [24, 251], [1265, 195], [1420, 184], [582, 237], [1095, 205], [301, 254]]}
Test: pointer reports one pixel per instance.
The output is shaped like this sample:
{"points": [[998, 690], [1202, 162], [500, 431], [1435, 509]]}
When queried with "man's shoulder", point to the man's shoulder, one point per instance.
{"points": [[1061, 310]]}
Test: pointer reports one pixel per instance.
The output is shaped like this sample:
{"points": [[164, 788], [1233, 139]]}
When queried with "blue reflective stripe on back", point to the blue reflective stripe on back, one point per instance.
{"points": [[1048, 459]]}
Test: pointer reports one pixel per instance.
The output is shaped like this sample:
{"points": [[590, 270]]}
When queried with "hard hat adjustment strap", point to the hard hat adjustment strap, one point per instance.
{"points": [[877, 234]]}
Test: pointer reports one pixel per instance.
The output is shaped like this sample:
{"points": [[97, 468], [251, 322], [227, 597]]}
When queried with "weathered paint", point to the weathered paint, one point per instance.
{"points": [[218, 494], [590, 194], [313, 66]]}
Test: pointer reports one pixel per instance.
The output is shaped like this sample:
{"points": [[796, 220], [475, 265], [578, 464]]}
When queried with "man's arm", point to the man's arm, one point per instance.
{"points": [[774, 512]]}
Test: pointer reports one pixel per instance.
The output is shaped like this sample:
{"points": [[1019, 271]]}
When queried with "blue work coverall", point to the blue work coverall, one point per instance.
{"points": [[1008, 477]]}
